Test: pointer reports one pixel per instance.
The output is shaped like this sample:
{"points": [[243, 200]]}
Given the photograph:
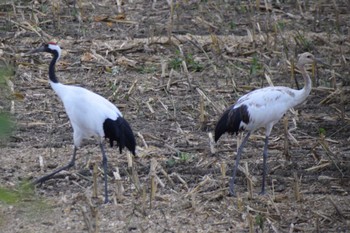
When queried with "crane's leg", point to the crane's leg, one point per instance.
{"points": [[104, 163], [49, 176], [238, 157], [264, 165]]}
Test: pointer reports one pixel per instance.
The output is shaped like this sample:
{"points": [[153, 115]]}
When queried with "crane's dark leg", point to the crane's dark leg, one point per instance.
{"points": [[238, 157], [104, 163], [49, 176], [264, 165]]}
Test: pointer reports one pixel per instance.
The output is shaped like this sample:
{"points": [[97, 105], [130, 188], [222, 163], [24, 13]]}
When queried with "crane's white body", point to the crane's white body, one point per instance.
{"points": [[262, 108], [266, 106], [86, 111], [90, 115]]}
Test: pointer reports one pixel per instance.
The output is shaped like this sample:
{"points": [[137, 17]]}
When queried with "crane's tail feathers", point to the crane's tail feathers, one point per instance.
{"points": [[120, 131], [231, 120]]}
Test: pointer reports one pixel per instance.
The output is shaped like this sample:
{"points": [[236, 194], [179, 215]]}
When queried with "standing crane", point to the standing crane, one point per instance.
{"points": [[262, 108], [90, 115]]}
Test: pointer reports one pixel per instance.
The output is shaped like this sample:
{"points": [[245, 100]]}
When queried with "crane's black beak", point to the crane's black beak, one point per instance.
{"points": [[319, 61], [38, 50]]}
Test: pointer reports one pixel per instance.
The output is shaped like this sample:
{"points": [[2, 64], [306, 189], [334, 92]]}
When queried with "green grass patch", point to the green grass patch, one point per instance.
{"points": [[192, 65]]}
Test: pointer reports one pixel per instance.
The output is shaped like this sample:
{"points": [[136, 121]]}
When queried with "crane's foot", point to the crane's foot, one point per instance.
{"points": [[51, 175], [262, 192], [107, 200], [232, 189]]}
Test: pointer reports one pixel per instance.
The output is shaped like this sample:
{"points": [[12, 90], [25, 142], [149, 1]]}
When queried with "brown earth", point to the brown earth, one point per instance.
{"points": [[230, 48]]}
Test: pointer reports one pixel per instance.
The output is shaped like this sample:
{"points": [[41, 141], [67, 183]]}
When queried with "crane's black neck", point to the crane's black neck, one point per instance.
{"points": [[52, 74]]}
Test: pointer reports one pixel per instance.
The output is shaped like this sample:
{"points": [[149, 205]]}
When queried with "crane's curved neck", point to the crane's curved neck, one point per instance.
{"points": [[304, 93], [52, 74]]}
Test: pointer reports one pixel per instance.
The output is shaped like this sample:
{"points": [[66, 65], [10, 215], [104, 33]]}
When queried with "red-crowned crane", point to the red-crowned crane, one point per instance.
{"points": [[90, 115], [262, 108]]}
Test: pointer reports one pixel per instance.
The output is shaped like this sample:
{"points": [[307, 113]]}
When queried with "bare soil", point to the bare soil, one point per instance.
{"points": [[134, 56]]}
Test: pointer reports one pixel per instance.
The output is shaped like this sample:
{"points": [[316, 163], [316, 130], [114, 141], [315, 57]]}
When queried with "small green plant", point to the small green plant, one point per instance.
{"points": [[303, 42], [281, 25], [255, 66], [192, 65], [259, 220], [171, 162], [176, 62], [24, 202], [144, 69], [182, 157], [5, 73], [185, 157], [8, 196], [233, 25], [23, 191], [6, 125], [322, 131]]}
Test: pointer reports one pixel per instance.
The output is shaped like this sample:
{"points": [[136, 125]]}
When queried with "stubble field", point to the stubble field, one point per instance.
{"points": [[172, 69]]}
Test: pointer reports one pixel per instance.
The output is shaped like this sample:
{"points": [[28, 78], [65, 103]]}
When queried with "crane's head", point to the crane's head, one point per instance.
{"points": [[50, 47], [305, 59], [308, 58]]}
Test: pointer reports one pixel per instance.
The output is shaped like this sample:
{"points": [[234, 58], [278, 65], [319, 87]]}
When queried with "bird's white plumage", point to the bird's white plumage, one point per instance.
{"points": [[262, 108], [55, 47], [90, 115], [267, 105], [86, 111]]}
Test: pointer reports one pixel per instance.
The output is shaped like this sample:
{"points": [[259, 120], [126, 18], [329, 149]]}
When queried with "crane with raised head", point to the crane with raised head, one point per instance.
{"points": [[262, 108], [90, 115]]}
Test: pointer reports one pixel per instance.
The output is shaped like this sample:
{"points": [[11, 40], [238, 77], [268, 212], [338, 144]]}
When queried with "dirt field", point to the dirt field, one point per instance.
{"points": [[135, 55]]}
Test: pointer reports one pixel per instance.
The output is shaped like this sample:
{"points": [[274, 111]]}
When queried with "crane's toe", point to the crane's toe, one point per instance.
{"points": [[232, 192]]}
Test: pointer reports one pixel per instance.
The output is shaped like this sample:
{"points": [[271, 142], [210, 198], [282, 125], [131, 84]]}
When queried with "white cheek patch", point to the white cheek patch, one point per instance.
{"points": [[56, 48]]}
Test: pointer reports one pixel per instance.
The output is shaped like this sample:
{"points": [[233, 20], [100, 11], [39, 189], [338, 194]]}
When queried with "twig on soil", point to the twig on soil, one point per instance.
{"points": [[172, 148], [119, 184], [211, 143], [208, 99], [250, 223], [181, 180], [201, 184], [268, 79], [171, 20], [172, 184], [330, 96], [274, 205], [338, 210], [296, 186], [152, 174], [202, 116], [322, 215], [131, 89], [223, 169], [29, 27], [41, 163], [133, 172], [329, 153], [90, 217], [119, 6], [250, 179], [286, 141], [273, 227], [142, 139], [323, 164], [150, 107], [184, 66], [94, 183], [164, 66]]}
